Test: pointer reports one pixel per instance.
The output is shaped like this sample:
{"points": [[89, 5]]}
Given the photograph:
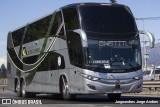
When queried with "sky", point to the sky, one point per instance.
{"points": [[16, 13]]}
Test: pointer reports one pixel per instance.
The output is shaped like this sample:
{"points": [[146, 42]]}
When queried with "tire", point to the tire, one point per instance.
{"points": [[26, 94], [114, 97], [57, 96], [18, 89], [65, 90]]}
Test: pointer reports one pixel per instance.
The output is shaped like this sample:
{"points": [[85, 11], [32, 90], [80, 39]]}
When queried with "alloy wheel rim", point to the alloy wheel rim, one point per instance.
{"points": [[23, 90], [65, 91]]}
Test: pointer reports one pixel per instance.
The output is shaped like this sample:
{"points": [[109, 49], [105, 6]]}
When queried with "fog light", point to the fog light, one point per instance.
{"points": [[137, 77], [91, 86]]}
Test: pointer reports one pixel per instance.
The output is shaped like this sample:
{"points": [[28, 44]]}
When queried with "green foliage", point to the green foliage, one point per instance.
{"points": [[4, 73]]}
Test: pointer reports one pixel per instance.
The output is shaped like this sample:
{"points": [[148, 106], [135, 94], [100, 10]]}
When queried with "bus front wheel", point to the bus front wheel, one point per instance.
{"points": [[65, 90]]}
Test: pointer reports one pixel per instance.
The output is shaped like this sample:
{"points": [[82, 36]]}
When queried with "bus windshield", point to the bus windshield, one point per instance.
{"points": [[107, 19], [114, 54]]}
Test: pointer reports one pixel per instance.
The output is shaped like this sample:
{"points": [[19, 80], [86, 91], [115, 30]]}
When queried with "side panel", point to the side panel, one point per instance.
{"points": [[11, 74], [78, 81]]}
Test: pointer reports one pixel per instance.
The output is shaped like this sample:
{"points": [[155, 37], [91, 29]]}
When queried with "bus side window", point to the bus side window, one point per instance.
{"points": [[75, 49], [56, 25], [17, 36], [71, 18], [37, 30]]}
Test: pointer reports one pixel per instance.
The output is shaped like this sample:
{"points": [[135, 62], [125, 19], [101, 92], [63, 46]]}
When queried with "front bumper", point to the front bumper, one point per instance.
{"points": [[109, 86]]}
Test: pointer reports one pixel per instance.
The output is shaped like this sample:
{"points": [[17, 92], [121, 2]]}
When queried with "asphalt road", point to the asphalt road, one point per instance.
{"points": [[84, 101]]}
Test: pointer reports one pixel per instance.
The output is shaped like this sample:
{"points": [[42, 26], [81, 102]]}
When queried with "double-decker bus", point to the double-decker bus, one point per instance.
{"points": [[79, 49]]}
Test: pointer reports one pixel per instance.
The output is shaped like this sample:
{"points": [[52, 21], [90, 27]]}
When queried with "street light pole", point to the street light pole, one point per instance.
{"points": [[159, 42], [145, 54], [113, 1]]}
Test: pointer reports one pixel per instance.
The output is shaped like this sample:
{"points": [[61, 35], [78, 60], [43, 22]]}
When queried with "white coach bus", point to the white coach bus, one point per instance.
{"points": [[79, 49]]}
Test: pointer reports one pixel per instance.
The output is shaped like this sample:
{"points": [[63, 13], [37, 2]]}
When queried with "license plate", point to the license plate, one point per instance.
{"points": [[117, 91]]}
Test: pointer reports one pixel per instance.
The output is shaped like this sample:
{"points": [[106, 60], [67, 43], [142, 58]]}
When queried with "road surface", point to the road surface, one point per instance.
{"points": [[84, 101]]}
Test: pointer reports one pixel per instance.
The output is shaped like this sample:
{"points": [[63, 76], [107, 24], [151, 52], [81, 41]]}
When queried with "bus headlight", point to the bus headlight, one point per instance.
{"points": [[137, 77], [90, 77]]}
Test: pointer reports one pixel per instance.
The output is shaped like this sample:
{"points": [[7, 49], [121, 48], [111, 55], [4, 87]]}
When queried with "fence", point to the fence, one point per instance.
{"points": [[151, 84]]}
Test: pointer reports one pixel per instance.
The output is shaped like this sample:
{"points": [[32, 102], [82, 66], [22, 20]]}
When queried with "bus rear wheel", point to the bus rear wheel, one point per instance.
{"points": [[114, 97], [18, 89], [26, 94]]}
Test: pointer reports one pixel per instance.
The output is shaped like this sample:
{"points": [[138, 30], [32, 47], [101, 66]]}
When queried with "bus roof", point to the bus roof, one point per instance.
{"points": [[70, 5], [91, 4]]}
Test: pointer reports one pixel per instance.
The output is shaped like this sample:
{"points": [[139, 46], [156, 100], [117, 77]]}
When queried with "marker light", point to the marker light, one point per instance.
{"points": [[137, 77]]}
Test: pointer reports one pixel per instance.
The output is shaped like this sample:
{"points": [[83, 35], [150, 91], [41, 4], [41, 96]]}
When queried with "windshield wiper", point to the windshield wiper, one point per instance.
{"points": [[94, 67], [99, 66]]}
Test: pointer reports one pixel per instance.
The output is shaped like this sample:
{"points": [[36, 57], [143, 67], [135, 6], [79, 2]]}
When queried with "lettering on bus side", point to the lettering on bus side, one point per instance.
{"points": [[26, 52], [33, 51]]}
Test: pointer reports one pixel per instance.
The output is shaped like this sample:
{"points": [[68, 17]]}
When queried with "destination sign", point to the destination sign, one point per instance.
{"points": [[113, 43]]}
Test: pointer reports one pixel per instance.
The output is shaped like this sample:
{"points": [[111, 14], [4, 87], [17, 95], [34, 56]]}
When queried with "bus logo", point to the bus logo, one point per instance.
{"points": [[59, 61], [111, 77]]}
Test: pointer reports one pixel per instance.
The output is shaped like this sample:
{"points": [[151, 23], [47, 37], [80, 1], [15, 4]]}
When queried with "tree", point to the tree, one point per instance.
{"points": [[4, 73]]}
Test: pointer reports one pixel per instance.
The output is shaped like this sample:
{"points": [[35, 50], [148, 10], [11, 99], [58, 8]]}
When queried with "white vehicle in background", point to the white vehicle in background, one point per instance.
{"points": [[151, 75], [148, 75], [157, 74]]}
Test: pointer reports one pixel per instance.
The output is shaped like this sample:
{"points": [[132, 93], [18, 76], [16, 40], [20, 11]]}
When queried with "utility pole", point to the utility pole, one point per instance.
{"points": [[159, 42], [145, 54]]}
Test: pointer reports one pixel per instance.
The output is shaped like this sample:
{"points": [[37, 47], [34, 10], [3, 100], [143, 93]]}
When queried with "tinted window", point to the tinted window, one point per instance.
{"points": [[71, 18], [54, 57], [56, 25], [51, 62], [15, 59], [157, 71], [30, 60], [37, 30], [147, 72], [44, 66], [75, 49], [17, 36], [107, 19], [125, 54]]}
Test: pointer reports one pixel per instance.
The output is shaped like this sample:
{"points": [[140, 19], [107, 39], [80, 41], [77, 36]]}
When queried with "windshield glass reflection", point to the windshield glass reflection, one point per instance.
{"points": [[110, 54]]}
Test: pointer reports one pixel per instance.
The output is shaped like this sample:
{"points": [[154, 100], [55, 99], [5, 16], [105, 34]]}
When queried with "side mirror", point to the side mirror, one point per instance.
{"points": [[150, 35], [83, 37]]}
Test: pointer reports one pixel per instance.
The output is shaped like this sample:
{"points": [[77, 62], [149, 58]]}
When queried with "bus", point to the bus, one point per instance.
{"points": [[79, 49]]}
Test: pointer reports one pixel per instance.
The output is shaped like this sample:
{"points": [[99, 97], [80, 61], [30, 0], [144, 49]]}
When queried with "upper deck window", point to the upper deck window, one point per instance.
{"points": [[37, 30], [17, 36], [71, 18], [107, 19]]}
